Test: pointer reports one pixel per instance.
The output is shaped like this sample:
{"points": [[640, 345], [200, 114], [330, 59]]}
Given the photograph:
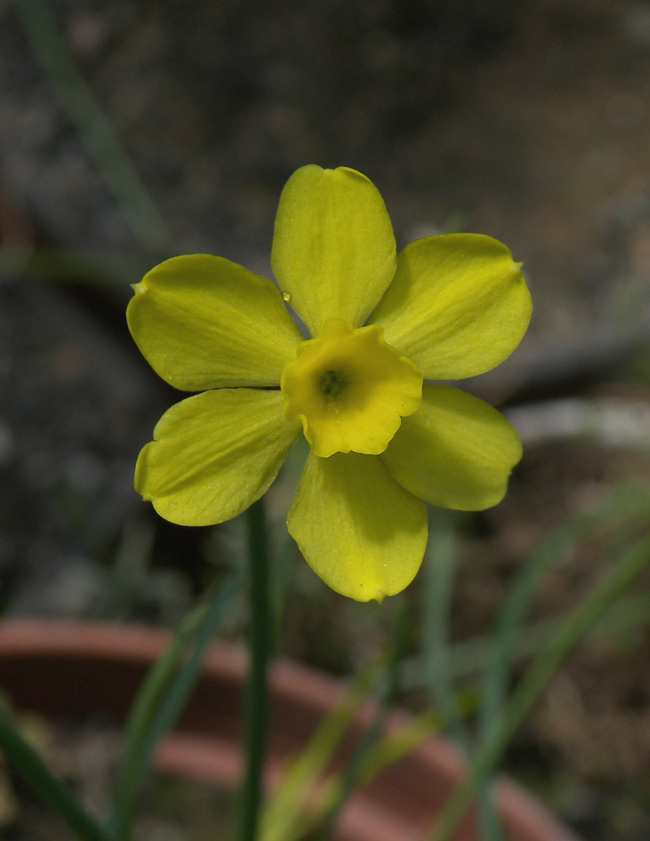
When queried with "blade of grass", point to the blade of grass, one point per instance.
{"points": [[302, 803], [394, 746], [52, 791], [90, 121], [527, 692], [302, 800], [626, 501], [71, 265], [353, 771], [440, 561], [508, 631], [180, 689], [281, 819], [469, 657], [390, 749], [161, 699]]}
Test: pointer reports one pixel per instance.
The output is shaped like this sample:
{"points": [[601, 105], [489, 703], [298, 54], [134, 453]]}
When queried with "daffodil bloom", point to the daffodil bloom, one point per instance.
{"points": [[384, 328]]}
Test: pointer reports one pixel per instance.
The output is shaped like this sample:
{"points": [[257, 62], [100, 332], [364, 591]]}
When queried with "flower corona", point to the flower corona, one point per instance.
{"points": [[349, 389]]}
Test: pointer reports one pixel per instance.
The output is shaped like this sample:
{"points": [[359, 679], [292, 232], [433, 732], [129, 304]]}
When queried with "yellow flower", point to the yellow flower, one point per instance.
{"points": [[382, 443]]}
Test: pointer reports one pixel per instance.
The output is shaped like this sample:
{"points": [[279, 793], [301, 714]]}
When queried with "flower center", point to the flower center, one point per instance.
{"points": [[331, 383], [349, 389]]}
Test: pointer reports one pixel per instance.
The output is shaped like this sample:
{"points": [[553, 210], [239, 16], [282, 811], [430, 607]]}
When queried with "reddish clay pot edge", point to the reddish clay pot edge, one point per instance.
{"points": [[71, 668]]}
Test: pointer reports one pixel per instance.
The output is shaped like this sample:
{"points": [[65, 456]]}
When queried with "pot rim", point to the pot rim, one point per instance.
{"points": [[300, 697]]}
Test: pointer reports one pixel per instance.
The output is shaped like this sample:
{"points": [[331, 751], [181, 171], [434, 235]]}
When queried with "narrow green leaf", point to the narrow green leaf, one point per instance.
{"points": [[354, 769], [161, 699], [282, 816], [52, 791], [571, 631], [627, 501], [440, 560], [92, 124]]}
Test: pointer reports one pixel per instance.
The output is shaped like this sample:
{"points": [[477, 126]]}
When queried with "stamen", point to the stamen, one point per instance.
{"points": [[331, 383]]}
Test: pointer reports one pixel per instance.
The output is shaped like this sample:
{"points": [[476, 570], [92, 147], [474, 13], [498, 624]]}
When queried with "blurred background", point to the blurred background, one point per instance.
{"points": [[132, 131]]}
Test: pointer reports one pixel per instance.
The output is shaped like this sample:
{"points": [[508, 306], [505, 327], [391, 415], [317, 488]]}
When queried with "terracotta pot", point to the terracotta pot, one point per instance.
{"points": [[69, 669]]}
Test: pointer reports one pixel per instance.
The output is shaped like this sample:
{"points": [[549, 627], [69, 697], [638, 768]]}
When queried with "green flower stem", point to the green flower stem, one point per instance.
{"points": [[256, 710], [578, 623], [45, 785]]}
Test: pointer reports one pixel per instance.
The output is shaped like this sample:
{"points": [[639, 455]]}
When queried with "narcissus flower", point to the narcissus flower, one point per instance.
{"points": [[384, 439]]}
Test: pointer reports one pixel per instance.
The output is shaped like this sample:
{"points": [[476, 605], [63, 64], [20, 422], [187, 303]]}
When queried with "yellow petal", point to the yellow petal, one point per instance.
{"points": [[349, 389], [333, 248], [203, 322], [214, 454], [458, 305], [360, 531], [455, 451]]}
